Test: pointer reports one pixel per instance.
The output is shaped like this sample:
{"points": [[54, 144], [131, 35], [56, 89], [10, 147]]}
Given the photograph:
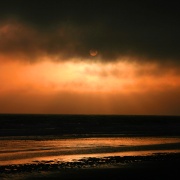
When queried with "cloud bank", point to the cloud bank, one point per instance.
{"points": [[68, 29]]}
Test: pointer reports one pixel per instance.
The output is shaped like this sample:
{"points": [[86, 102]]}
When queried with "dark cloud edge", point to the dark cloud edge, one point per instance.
{"points": [[67, 41]]}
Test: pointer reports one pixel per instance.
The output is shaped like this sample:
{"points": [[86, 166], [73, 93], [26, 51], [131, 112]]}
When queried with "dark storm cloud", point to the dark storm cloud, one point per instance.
{"points": [[71, 28]]}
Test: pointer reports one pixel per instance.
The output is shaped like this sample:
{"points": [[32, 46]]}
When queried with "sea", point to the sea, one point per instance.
{"points": [[35, 139]]}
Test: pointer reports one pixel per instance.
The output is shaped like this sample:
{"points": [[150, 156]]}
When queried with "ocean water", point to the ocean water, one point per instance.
{"points": [[65, 138]]}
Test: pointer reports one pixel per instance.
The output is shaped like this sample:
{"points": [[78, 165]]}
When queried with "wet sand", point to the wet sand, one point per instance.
{"points": [[158, 166]]}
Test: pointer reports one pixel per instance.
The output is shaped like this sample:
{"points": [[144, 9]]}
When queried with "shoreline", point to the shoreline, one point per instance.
{"points": [[115, 166]]}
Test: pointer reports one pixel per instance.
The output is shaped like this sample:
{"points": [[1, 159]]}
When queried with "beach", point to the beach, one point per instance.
{"points": [[89, 147]]}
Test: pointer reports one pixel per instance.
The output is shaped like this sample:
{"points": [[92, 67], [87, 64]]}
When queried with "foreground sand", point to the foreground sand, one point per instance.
{"points": [[160, 166]]}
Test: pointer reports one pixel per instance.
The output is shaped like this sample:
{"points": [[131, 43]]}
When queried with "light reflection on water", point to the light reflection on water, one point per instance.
{"points": [[28, 151]]}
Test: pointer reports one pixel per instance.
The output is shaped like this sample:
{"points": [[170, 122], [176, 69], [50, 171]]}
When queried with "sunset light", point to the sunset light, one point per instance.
{"points": [[112, 86], [88, 65]]}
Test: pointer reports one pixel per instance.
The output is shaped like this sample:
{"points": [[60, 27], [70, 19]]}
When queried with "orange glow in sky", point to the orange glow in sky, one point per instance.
{"points": [[66, 63], [121, 87]]}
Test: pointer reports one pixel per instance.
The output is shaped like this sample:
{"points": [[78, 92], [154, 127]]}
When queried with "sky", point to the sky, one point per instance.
{"points": [[90, 57]]}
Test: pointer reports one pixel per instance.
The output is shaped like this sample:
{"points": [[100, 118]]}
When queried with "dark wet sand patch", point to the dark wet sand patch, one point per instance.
{"points": [[158, 166]]}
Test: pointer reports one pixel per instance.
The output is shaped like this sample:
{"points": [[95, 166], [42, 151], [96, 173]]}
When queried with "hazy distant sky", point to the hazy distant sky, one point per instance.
{"points": [[89, 57]]}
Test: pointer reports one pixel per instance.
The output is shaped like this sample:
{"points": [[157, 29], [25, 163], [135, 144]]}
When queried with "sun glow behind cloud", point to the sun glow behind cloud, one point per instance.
{"points": [[70, 61], [84, 76], [120, 87], [52, 72]]}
